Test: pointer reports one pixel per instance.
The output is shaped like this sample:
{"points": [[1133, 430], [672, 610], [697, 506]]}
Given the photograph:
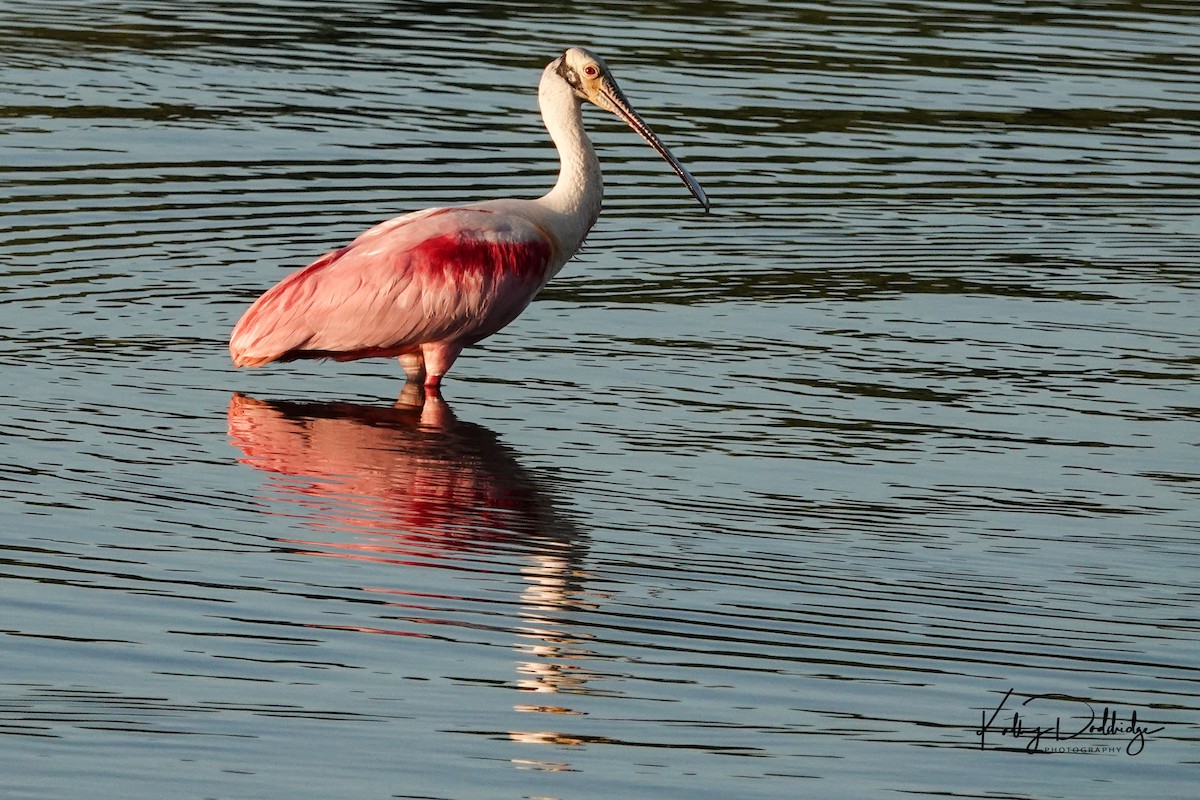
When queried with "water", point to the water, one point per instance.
{"points": [[776, 501]]}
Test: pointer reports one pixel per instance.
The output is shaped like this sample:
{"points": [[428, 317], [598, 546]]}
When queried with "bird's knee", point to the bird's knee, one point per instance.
{"points": [[414, 365], [438, 360]]}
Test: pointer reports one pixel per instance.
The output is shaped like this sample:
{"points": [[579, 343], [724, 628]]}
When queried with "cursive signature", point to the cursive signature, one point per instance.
{"points": [[1107, 723]]}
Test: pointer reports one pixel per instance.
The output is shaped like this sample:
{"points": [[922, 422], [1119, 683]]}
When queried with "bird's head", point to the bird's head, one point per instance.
{"points": [[588, 75], [590, 80]]}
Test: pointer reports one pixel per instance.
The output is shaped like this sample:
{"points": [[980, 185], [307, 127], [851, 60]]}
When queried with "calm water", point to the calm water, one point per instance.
{"points": [[779, 501]]}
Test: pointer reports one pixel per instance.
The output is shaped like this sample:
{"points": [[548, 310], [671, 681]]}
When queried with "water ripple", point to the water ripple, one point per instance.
{"points": [[792, 491]]}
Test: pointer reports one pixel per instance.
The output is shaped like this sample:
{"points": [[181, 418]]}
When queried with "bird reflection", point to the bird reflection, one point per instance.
{"points": [[411, 468], [425, 485]]}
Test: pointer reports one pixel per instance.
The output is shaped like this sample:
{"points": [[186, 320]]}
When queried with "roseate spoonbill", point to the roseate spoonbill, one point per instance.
{"points": [[425, 285]]}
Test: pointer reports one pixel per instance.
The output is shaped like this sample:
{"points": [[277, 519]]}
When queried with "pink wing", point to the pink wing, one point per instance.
{"points": [[444, 275]]}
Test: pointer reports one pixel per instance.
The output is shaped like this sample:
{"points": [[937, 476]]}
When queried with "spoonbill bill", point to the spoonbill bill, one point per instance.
{"points": [[423, 286]]}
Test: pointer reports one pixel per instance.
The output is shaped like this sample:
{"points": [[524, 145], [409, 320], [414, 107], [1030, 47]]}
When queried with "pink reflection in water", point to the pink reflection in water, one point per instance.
{"points": [[411, 469], [410, 484]]}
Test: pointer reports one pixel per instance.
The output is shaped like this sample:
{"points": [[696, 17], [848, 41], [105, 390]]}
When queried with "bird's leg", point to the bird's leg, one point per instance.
{"points": [[439, 357], [428, 400], [414, 366]]}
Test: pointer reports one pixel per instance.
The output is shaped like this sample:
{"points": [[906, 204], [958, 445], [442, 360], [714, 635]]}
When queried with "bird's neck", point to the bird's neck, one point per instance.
{"points": [[576, 197]]}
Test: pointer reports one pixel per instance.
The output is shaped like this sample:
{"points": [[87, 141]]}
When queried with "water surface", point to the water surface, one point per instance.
{"points": [[780, 500]]}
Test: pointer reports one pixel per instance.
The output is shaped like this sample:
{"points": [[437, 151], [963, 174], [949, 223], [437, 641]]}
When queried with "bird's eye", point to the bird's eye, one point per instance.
{"points": [[591, 71]]}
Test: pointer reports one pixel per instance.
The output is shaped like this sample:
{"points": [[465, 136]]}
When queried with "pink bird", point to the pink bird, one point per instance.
{"points": [[423, 286]]}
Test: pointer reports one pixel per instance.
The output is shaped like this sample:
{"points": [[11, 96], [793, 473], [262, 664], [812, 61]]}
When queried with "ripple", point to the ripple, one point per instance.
{"points": [[791, 491]]}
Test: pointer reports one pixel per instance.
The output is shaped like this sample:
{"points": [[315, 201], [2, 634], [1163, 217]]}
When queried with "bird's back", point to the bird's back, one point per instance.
{"points": [[441, 275]]}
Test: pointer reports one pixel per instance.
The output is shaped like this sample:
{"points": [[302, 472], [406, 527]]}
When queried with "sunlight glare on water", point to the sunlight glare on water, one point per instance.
{"points": [[781, 500]]}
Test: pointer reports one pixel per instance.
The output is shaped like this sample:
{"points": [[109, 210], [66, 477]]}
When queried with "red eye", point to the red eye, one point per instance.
{"points": [[591, 71]]}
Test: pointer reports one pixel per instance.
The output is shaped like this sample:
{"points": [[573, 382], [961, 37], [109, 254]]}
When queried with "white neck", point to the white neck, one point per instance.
{"points": [[575, 199]]}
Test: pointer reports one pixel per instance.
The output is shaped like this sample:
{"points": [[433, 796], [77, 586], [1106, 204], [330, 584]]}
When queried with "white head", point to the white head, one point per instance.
{"points": [[588, 78]]}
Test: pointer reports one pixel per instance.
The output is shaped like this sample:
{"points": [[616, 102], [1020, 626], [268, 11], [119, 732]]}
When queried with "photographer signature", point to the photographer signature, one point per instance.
{"points": [[1108, 723]]}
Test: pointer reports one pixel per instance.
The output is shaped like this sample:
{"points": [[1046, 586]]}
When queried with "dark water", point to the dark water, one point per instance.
{"points": [[778, 501]]}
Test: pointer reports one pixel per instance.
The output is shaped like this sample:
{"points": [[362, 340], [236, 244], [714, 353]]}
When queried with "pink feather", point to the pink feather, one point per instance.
{"points": [[444, 277]]}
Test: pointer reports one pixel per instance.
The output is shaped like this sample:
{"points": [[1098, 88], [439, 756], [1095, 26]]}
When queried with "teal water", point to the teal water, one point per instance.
{"points": [[776, 501]]}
